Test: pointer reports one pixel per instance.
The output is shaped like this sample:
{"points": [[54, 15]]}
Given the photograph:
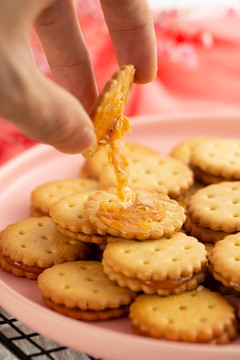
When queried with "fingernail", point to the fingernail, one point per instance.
{"points": [[85, 141]]}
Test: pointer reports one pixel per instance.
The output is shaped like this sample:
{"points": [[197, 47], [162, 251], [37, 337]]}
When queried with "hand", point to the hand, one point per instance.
{"points": [[57, 113]]}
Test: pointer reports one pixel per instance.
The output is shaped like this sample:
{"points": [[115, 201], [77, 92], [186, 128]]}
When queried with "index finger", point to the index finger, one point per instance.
{"points": [[131, 29]]}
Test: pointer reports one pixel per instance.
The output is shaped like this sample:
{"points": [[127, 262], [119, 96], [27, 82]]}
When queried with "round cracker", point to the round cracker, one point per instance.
{"points": [[45, 195], [203, 234], [183, 150], [171, 221], [225, 261], [216, 207], [94, 166], [79, 236], [68, 213], [135, 264], [205, 177], [219, 157], [153, 172], [82, 285], [37, 242], [194, 316]]}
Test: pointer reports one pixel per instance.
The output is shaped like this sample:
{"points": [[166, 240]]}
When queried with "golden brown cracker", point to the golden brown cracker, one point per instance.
{"points": [[203, 234], [69, 218], [205, 177], [171, 215], [199, 315], [183, 150], [45, 195], [163, 266], [68, 213], [79, 236], [217, 207], [93, 167], [153, 172], [29, 246], [219, 157], [225, 261], [80, 289]]}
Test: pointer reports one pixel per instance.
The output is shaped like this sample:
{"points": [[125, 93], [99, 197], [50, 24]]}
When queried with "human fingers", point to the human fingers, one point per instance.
{"points": [[66, 51], [131, 29], [37, 106]]}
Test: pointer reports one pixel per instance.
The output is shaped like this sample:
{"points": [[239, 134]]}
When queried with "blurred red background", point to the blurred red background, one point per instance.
{"points": [[198, 62]]}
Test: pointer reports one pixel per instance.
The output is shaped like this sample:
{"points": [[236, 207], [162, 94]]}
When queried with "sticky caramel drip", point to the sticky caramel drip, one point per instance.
{"points": [[166, 284], [117, 156], [133, 217]]}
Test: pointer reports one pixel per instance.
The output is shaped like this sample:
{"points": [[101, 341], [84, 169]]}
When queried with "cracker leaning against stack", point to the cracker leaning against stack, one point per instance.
{"points": [[149, 215]]}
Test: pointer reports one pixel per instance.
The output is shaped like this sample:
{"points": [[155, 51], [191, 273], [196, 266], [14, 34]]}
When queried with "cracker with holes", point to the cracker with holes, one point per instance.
{"points": [[81, 290], [199, 316], [204, 234], [30, 246], [216, 207], [217, 158], [211, 283], [45, 195], [163, 266], [69, 218], [147, 215], [153, 172], [183, 150], [225, 261], [94, 166]]}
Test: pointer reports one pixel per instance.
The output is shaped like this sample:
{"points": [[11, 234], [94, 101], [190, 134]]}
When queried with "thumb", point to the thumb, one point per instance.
{"points": [[47, 113]]}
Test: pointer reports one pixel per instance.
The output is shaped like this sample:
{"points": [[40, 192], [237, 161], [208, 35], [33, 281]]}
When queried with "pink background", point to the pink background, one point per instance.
{"points": [[198, 61]]}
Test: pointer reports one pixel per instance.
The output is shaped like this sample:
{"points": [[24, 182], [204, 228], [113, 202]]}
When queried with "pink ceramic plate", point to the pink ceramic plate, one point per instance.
{"points": [[108, 339]]}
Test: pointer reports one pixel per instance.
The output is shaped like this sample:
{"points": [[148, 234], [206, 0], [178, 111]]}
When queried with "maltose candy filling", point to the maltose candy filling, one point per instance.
{"points": [[19, 265]]}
